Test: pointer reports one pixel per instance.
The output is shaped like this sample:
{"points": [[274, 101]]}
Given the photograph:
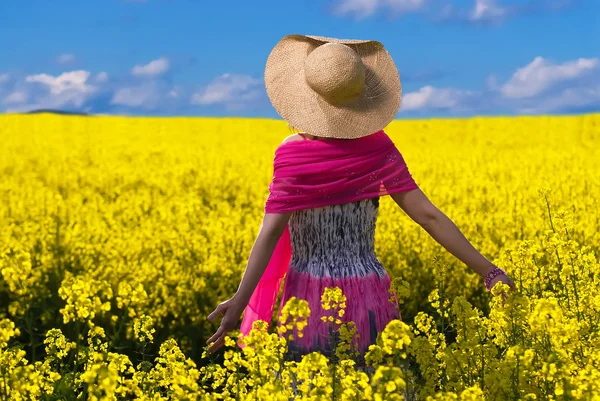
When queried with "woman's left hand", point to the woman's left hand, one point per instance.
{"points": [[231, 310], [502, 278]]}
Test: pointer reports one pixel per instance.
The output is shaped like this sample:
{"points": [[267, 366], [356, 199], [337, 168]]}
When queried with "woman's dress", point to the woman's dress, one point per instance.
{"points": [[334, 246]]}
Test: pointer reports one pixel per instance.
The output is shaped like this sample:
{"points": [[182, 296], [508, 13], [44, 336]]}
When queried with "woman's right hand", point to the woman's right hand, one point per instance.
{"points": [[231, 310]]}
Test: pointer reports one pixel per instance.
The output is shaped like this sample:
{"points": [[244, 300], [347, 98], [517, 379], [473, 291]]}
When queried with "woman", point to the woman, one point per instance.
{"points": [[320, 215]]}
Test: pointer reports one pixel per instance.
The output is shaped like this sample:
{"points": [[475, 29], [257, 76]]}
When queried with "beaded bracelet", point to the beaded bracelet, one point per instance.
{"points": [[496, 271]]}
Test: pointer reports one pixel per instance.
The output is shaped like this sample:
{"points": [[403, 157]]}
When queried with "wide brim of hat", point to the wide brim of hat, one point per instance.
{"points": [[305, 110]]}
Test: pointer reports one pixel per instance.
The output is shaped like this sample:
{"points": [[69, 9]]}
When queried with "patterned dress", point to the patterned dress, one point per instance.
{"points": [[334, 246]]}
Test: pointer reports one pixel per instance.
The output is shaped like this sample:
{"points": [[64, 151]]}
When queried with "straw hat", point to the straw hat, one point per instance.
{"points": [[333, 88]]}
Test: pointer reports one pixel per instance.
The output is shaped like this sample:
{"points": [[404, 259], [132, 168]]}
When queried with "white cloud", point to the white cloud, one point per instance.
{"points": [[541, 74], [66, 59], [492, 83], [429, 97], [470, 11], [567, 99], [365, 8], [487, 10], [15, 98], [4, 78], [147, 95], [539, 87], [74, 80], [135, 96], [229, 89], [101, 77], [152, 69], [70, 88]]}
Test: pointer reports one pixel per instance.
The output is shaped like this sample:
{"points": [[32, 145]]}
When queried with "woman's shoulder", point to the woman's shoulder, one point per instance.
{"points": [[294, 137]]}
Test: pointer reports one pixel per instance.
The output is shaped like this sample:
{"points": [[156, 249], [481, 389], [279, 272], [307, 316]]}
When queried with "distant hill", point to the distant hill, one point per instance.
{"points": [[71, 113]]}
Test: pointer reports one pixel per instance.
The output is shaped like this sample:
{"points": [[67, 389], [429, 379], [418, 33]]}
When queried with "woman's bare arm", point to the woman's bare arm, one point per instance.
{"points": [[419, 208], [270, 232]]}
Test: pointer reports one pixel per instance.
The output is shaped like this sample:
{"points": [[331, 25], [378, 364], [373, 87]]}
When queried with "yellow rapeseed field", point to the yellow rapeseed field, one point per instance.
{"points": [[119, 235]]}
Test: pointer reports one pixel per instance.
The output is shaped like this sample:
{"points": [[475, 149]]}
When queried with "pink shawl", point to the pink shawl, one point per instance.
{"points": [[314, 173]]}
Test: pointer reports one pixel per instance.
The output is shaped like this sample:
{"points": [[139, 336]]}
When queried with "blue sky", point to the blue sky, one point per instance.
{"points": [[200, 57]]}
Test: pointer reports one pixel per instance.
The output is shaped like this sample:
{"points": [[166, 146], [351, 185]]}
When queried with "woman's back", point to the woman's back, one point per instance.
{"points": [[333, 246], [336, 241]]}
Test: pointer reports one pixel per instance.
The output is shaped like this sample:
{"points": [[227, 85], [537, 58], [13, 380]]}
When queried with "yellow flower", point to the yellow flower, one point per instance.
{"points": [[132, 233], [143, 328]]}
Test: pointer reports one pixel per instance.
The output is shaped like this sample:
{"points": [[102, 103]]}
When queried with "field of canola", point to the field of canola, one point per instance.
{"points": [[119, 235]]}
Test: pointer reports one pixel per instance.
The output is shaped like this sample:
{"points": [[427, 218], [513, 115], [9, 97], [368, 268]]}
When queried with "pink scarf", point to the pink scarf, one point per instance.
{"points": [[314, 173]]}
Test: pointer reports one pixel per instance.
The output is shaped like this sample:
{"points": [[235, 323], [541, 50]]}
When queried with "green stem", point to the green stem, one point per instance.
{"points": [[72, 357], [332, 331], [516, 383], [468, 358], [29, 322], [549, 214], [5, 389]]}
